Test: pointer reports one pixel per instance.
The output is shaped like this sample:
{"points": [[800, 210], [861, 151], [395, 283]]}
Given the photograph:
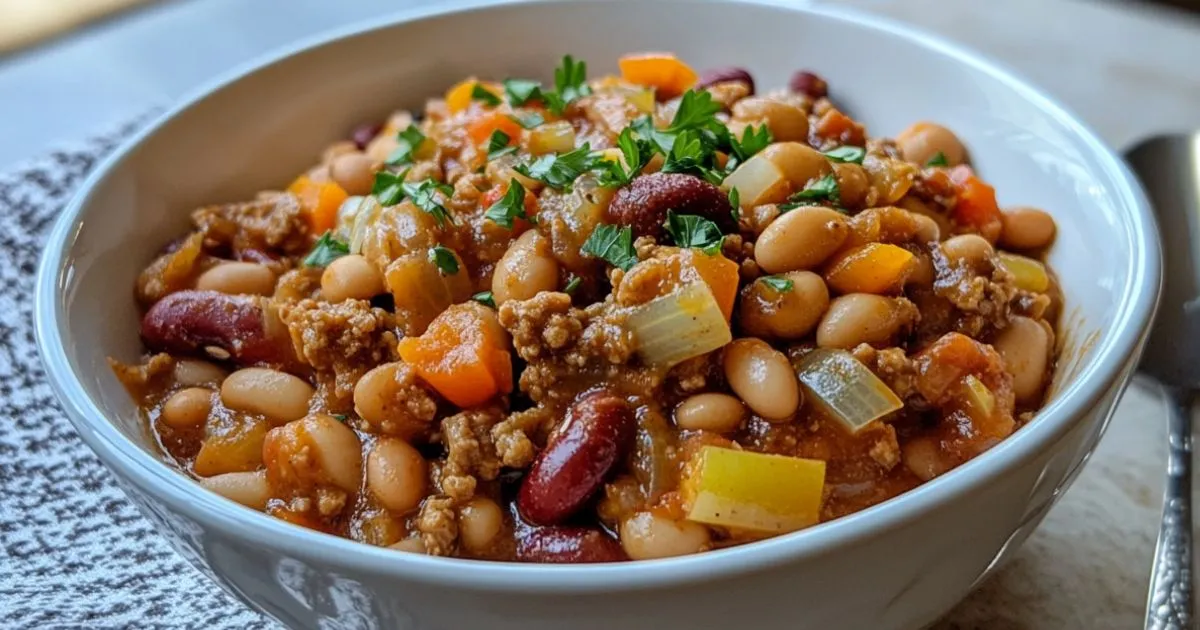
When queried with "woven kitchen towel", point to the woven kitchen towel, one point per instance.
{"points": [[74, 553]]}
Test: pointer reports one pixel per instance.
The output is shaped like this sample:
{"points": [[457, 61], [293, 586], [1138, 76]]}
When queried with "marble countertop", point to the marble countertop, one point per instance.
{"points": [[1128, 72]]}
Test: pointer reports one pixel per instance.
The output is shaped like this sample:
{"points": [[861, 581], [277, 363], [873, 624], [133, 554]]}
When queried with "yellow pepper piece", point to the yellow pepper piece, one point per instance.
{"points": [[458, 97], [871, 268], [753, 491], [980, 399], [1030, 274]]}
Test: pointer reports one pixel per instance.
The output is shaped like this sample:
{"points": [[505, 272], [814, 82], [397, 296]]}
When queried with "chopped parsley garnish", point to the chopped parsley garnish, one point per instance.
{"points": [[613, 244], [938, 159], [689, 230], [340, 417], [663, 141], [570, 84], [735, 202], [572, 285], [824, 189], [691, 154], [485, 298], [422, 194], [636, 151], [388, 187], [444, 258], [779, 283], [483, 95], [498, 145], [528, 120], [558, 171], [510, 207], [326, 250], [408, 141], [752, 142], [697, 110], [521, 91], [850, 154]]}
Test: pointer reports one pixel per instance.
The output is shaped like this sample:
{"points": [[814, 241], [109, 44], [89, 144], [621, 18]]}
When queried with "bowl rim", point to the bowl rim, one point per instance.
{"points": [[157, 478]]}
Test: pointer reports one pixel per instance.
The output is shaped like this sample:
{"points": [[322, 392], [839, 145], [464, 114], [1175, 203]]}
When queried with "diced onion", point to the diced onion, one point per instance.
{"points": [[754, 492], [679, 326], [758, 181], [641, 99], [360, 219], [846, 389], [1029, 274]]}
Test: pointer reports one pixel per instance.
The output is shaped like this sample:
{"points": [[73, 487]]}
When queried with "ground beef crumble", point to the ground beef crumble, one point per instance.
{"points": [[340, 342], [470, 453]]}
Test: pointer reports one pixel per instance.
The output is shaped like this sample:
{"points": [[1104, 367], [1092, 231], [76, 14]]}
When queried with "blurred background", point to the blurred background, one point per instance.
{"points": [[73, 68]]}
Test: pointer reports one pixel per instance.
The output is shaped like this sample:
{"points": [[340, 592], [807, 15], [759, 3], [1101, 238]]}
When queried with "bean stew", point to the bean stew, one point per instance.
{"points": [[613, 318]]}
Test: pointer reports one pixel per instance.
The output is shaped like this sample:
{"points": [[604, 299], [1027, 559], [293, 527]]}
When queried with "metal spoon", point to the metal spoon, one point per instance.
{"points": [[1169, 167]]}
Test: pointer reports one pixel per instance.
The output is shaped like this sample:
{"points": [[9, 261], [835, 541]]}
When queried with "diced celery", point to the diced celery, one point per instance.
{"points": [[641, 99], [679, 326], [980, 399], [753, 491], [1030, 274], [555, 137], [845, 389]]}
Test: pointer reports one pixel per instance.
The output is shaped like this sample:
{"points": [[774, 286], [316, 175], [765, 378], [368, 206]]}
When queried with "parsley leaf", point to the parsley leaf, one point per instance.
{"points": [[644, 126], [483, 95], [636, 151], [938, 159], [752, 142], [735, 202], [485, 298], [825, 189], [340, 417], [689, 230], [528, 120], [422, 194], [444, 258], [388, 187], [779, 283], [570, 84], [572, 285], [521, 91], [613, 244], [326, 250], [691, 154], [511, 206], [498, 145], [558, 171], [848, 153], [409, 140], [696, 111]]}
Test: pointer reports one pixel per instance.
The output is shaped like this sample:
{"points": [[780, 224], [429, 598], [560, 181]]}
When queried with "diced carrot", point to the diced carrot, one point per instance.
{"points": [[481, 128], [320, 202], [463, 355], [836, 125], [976, 205], [662, 71], [717, 271], [872, 268], [458, 97]]}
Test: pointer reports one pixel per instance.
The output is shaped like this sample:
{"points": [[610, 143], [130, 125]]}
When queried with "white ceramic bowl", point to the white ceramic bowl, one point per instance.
{"points": [[896, 565]]}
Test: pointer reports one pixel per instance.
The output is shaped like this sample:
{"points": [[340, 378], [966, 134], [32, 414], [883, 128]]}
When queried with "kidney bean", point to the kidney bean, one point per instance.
{"points": [[568, 545], [644, 203], [599, 431], [187, 322], [364, 134], [812, 85], [722, 75]]}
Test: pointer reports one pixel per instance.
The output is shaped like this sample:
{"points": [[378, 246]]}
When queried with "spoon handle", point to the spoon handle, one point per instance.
{"points": [[1170, 605]]}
